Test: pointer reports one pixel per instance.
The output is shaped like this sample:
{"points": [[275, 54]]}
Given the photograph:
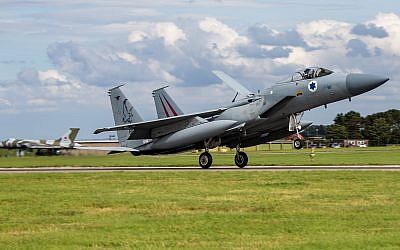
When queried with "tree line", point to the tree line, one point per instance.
{"points": [[379, 128]]}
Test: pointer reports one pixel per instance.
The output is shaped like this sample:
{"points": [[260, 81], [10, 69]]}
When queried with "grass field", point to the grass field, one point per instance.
{"points": [[355, 156], [201, 210]]}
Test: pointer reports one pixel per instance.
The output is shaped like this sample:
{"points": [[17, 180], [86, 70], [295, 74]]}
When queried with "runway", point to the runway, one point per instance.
{"points": [[179, 169]]}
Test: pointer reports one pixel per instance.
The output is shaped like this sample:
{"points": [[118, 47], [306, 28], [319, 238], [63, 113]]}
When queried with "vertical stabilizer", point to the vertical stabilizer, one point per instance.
{"points": [[67, 140], [165, 105], [124, 113]]}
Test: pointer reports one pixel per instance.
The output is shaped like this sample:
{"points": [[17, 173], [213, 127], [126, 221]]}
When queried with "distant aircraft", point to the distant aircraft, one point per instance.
{"points": [[64, 142], [271, 114]]}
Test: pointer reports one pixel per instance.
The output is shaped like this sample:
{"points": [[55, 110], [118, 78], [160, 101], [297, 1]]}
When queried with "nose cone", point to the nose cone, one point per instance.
{"points": [[361, 83]]}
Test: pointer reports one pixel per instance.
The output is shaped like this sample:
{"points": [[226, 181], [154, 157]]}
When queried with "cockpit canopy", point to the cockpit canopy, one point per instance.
{"points": [[310, 73]]}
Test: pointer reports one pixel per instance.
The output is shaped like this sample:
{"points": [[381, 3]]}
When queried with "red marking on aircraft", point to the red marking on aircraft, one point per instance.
{"points": [[165, 110], [169, 105]]}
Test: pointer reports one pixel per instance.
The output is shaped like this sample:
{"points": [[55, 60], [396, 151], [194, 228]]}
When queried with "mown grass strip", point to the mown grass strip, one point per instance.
{"points": [[369, 156], [201, 210]]}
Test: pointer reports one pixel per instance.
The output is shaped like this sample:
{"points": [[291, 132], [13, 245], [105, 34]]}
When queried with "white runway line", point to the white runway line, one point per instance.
{"points": [[196, 168]]}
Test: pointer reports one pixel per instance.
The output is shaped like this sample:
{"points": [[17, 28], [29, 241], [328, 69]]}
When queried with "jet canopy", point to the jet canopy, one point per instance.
{"points": [[310, 73]]}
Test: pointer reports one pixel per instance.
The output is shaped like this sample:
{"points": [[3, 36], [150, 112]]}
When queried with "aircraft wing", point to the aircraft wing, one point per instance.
{"points": [[46, 147], [235, 85], [275, 105], [111, 149], [147, 126]]}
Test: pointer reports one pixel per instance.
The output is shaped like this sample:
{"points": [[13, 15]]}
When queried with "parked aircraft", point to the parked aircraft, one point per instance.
{"points": [[258, 118], [66, 141]]}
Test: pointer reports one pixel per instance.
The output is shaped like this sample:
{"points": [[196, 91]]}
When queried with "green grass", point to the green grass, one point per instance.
{"points": [[365, 156], [201, 210]]}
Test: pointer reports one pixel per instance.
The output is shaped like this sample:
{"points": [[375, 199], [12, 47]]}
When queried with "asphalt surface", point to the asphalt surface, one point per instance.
{"points": [[216, 168]]}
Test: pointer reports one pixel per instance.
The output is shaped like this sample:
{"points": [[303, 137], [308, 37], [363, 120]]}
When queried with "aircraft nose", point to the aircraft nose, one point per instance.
{"points": [[361, 83]]}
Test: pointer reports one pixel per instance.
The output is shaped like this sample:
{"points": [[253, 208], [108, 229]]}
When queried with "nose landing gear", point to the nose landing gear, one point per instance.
{"points": [[295, 125], [298, 143]]}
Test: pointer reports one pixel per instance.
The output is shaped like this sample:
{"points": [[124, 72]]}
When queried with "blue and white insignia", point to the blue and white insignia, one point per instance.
{"points": [[312, 86]]}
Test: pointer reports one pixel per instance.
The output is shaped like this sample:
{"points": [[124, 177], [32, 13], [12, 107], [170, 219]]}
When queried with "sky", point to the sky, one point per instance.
{"points": [[59, 58]]}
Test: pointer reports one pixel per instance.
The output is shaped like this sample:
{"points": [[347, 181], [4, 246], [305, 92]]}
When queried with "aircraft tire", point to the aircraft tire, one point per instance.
{"points": [[298, 144], [241, 159], [205, 160]]}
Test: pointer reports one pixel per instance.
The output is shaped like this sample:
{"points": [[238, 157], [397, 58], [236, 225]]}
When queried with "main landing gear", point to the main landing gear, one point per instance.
{"points": [[205, 160], [241, 159]]}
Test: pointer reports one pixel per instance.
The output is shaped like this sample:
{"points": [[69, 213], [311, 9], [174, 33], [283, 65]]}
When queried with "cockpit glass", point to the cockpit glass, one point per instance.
{"points": [[310, 73]]}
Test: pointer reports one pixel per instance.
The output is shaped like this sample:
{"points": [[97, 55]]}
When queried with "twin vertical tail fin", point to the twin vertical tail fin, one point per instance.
{"points": [[67, 140], [124, 113], [165, 105]]}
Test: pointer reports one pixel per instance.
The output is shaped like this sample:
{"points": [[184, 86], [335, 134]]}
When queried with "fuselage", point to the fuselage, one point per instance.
{"points": [[23, 143], [266, 116]]}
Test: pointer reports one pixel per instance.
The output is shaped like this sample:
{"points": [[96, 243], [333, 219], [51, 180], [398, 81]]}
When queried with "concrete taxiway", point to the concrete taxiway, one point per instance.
{"points": [[217, 168]]}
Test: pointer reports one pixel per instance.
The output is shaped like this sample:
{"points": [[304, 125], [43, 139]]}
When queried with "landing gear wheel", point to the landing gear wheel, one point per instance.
{"points": [[205, 160], [298, 144], [241, 159]]}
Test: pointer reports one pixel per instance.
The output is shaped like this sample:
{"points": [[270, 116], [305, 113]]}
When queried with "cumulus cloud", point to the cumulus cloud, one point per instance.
{"points": [[369, 30], [221, 35], [168, 31], [183, 53], [357, 47], [262, 34], [257, 51], [325, 33]]}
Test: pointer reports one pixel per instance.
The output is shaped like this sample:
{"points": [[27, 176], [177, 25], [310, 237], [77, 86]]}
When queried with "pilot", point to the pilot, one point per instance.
{"points": [[308, 73], [319, 72], [312, 73]]}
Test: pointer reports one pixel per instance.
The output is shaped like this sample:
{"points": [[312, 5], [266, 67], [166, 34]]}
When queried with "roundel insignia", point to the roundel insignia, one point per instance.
{"points": [[313, 86]]}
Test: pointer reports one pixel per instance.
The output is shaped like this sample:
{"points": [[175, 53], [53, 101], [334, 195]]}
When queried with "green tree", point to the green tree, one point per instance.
{"points": [[352, 122], [383, 127], [339, 119], [315, 131], [336, 131], [378, 131], [346, 126]]}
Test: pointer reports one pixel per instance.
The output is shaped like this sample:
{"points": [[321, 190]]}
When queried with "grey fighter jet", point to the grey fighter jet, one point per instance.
{"points": [[66, 141], [258, 118]]}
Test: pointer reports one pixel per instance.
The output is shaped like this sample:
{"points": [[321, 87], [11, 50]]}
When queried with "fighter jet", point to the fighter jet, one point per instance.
{"points": [[256, 118], [64, 142]]}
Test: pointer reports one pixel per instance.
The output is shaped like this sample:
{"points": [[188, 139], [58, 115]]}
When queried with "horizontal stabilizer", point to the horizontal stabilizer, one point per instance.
{"points": [[235, 85], [149, 125]]}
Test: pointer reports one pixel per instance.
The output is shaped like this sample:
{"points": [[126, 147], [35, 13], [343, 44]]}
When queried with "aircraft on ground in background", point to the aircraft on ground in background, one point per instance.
{"points": [[66, 141], [269, 115]]}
